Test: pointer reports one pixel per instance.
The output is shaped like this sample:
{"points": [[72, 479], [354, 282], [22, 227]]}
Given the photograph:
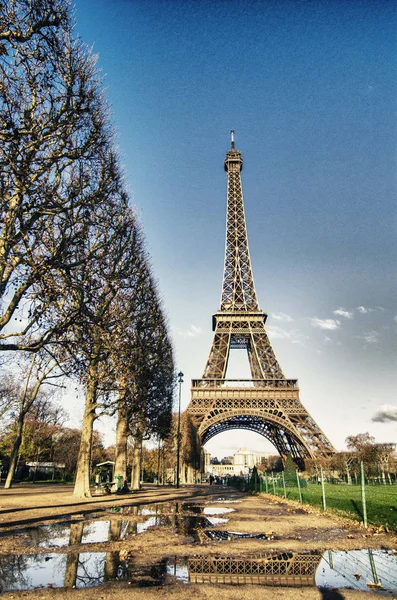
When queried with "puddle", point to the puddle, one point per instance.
{"points": [[62, 535], [160, 520], [143, 510], [368, 570], [66, 534], [212, 510], [221, 536], [217, 521], [357, 569], [26, 572], [192, 525], [177, 569]]}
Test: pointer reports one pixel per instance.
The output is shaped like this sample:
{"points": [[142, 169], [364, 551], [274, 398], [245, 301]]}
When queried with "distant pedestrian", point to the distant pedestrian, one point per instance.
{"points": [[211, 480]]}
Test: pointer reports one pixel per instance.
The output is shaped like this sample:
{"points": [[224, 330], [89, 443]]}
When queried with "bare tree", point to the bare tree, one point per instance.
{"points": [[69, 247], [145, 365], [8, 396], [53, 127], [40, 371], [92, 340]]}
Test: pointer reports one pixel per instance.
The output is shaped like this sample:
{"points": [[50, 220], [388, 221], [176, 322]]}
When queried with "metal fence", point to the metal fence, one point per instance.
{"points": [[344, 498]]}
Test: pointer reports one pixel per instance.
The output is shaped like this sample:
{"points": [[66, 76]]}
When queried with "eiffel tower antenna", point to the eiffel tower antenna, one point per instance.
{"points": [[268, 403]]}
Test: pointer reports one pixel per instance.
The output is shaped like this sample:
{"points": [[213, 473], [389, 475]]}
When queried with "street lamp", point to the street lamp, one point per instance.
{"points": [[178, 437]]}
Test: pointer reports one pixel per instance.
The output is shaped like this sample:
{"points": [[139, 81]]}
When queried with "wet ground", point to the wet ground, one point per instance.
{"points": [[208, 537]]}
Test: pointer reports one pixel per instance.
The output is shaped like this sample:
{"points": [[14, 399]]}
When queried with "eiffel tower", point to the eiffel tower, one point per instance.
{"points": [[268, 403]]}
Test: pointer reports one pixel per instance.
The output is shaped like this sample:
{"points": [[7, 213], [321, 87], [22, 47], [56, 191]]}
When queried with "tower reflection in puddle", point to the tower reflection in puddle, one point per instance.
{"points": [[357, 569]]}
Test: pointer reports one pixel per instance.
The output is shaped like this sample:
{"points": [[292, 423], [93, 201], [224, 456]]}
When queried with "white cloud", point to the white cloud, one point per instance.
{"points": [[341, 312], [330, 342], [386, 413], [299, 342], [192, 331], [325, 323], [362, 310], [278, 333], [281, 317], [371, 337]]}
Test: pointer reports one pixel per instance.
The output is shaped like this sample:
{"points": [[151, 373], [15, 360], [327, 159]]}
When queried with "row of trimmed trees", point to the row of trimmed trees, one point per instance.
{"points": [[379, 459], [77, 293]]}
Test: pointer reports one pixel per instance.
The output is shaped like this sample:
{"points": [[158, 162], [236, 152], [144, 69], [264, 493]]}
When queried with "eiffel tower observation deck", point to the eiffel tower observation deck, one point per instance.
{"points": [[268, 403]]}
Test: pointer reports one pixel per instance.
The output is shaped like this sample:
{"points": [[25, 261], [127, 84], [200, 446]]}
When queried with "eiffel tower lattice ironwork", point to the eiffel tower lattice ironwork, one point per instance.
{"points": [[268, 403]]}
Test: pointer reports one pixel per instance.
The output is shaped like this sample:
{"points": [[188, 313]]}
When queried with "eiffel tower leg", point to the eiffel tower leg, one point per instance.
{"points": [[284, 443], [256, 370], [219, 355], [265, 356]]}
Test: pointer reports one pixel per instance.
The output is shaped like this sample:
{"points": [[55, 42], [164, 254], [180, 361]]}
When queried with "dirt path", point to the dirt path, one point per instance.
{"points": [[287, 526]]}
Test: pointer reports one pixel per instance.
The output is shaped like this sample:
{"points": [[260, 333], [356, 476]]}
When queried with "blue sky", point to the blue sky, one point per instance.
{"points": [[310, 89]]}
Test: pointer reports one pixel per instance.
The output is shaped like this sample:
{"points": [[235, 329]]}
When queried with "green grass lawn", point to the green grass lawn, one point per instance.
{"points": [[346, 499]]}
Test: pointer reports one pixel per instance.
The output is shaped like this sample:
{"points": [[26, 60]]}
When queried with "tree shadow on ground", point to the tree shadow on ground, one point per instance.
{"points": [[357, 509], [327, 594]]}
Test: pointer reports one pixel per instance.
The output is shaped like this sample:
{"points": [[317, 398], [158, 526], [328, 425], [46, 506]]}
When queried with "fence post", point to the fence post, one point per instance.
{"points": [[373, 568], [363, 496], [299, 486], [283, 478], [274, 484], [266, 484], [323, 489]]}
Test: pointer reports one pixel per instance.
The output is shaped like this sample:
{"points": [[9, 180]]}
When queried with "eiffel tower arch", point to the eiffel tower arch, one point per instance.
{"points": [[267, 403]]}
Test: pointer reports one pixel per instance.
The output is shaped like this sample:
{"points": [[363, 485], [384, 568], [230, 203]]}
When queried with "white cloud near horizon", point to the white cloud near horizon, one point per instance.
{"points": [[330, 324], [385, 414], [341, 312]]}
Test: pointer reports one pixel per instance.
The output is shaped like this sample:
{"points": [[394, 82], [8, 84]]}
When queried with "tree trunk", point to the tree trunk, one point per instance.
{"points": [[383, 476], [349, 477], [136, 462], [112, 563], [82, 483], [112, 560], [120, 466], [72, 561], [158, 464], [15, 451]]}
